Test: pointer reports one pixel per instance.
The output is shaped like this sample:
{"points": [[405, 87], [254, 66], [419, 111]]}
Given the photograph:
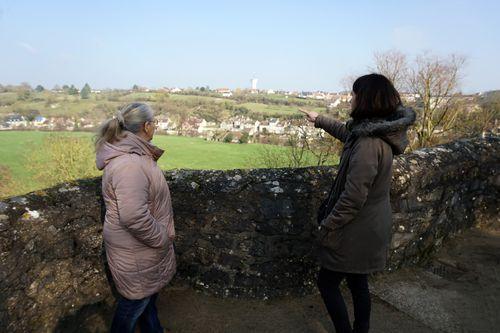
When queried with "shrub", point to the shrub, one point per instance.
{"points": [[8, 186], [62, 159]]}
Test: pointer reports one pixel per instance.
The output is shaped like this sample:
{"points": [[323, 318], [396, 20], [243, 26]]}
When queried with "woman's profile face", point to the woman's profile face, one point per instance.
{"points": [[149, 128]]}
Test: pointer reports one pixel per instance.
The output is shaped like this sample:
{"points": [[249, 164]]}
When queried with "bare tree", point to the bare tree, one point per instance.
{"points": [[297, 154], [303, 148], [324, 148], [271, 156], [347, 81], [435, 80], [393, 65]]}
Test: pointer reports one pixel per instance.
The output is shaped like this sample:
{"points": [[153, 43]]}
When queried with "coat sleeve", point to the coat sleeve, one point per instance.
{"points": [[333, 127], [170, 224], [361, 173], [131, 187]]}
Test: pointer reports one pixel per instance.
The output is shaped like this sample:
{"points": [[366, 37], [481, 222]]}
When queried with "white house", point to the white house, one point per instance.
{"points": [[335, 103], [225, 92], [16, 121], [164, 123], [318, 95], [207, 126], [39, 121], [272, 126], [410, 97]]}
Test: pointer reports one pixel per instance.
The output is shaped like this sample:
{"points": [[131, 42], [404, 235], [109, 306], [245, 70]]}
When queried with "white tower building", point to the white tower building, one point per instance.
{"points": [[254, 84]]}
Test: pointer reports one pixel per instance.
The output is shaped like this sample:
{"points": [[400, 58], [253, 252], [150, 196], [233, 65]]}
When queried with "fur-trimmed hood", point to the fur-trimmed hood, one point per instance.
{"points": [[393, 129]]}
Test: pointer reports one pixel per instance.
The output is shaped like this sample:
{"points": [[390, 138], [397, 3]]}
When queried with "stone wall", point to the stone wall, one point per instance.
{"points": [[241, 233]]}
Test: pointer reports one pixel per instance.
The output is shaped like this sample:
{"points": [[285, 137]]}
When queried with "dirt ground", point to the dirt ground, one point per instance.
{"points": [[184, 310], [459, 291]]}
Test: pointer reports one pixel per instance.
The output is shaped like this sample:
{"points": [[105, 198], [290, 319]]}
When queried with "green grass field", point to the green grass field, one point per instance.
{"points": [[180, 153]]}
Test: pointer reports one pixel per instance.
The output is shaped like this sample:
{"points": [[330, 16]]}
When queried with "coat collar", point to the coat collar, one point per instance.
{"points": [[399, 121], [392, 129]]}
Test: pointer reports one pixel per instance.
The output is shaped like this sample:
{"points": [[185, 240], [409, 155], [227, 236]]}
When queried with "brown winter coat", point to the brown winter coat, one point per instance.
{"points": [[139, 223], [356, 217]]}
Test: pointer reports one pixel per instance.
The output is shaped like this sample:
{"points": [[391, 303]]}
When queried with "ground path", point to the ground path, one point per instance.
{"points": [[458, 292]]}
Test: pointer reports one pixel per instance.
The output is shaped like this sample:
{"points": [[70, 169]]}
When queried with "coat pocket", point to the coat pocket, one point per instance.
{"points": [[331, 239]]}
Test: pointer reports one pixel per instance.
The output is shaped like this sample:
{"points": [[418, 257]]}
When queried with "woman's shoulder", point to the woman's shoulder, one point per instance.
{"points": [[129, 162]]}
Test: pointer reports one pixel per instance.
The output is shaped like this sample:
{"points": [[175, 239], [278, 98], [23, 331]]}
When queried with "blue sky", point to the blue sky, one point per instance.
{"points": [[299, 45]]}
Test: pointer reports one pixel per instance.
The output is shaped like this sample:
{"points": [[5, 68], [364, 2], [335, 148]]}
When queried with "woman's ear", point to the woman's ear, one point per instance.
{"points": [[145, 128]]}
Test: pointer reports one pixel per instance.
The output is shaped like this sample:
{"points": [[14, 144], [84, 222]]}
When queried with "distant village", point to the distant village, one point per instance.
{"points": [[236, 129]]}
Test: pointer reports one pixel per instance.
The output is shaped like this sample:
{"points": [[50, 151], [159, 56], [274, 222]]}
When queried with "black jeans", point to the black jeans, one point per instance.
{"points": [[328, 284], [130, 312]]}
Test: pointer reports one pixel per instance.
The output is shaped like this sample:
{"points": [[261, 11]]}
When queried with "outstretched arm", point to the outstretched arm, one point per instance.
{"points": [[333, 127]]}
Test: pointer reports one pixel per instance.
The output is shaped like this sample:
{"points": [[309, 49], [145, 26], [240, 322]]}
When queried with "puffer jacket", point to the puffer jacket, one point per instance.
{"points": [[139, 225]]}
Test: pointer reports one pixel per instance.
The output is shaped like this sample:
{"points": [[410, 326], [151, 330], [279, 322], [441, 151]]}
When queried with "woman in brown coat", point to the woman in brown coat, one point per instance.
{"points": [[356, 219], [139, 226]]}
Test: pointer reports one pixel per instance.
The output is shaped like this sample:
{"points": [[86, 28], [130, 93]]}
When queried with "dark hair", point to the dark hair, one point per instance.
{"points": [[375, 97]]}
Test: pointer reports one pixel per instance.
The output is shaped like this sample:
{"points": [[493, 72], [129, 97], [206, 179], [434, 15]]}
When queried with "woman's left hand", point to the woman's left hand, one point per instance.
{"points": [[320, 233]]}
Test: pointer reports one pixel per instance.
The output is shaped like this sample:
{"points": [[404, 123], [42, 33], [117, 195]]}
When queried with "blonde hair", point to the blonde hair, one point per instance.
{"points": [[129, 118]]}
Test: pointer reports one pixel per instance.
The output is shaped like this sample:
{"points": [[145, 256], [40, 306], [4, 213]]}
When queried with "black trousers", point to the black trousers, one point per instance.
{"points": [[328, 284]]}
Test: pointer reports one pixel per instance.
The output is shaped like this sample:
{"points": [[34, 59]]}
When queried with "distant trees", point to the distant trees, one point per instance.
{"points": [[39, 88], [29, 114], [85, 92], [241, 111], [72, 90], [245, 137], [24, 95], [228, 137]]}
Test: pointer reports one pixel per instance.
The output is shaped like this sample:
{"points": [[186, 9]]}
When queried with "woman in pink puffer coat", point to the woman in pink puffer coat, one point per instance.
{"points": [[139, 226]]}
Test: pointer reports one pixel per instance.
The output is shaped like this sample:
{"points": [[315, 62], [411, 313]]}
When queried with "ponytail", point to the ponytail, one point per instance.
{"points": [[110, 131]]}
